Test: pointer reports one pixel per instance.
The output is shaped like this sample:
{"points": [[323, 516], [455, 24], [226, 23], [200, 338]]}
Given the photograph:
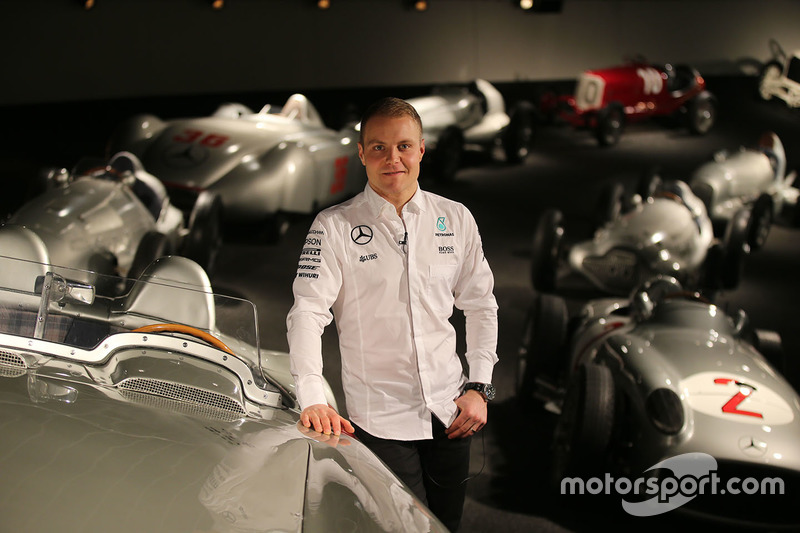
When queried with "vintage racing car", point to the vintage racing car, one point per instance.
{"points": [[662, 229], [753, 178], [607, 99], [644, 382], [116, 217], [157, 410], [780, 77], [474, 117], [264, 166]]}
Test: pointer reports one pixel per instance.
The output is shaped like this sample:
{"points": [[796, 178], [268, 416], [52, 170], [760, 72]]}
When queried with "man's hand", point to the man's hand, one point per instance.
{"points": [[471, 418], [324, 419]]}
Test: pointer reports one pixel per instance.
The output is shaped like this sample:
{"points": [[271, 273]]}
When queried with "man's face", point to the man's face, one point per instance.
{"points": [[392, 152]]}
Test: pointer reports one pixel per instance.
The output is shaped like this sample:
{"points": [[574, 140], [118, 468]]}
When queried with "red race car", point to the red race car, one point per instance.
{"points": [[606, 99]]}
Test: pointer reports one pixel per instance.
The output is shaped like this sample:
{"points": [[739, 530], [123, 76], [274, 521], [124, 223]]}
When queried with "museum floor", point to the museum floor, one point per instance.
{"points": [[509, 492]]}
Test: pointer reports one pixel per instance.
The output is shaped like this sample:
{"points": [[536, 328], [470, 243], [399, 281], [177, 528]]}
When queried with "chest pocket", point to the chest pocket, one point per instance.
{"points": [[441, 279]]}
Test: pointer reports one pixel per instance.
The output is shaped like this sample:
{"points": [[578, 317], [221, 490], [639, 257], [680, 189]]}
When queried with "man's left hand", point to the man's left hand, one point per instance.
{"points": [[471, 418]]}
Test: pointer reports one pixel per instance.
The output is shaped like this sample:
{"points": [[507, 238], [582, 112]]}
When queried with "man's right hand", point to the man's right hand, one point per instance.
{"points": [[324, 419]]}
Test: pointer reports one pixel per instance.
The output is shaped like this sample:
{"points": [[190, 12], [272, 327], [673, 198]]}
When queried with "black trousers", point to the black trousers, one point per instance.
{"points": [[436, 470]]}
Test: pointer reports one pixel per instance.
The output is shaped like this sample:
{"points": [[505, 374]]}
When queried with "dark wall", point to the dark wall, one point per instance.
{"points": [[54, 50]]}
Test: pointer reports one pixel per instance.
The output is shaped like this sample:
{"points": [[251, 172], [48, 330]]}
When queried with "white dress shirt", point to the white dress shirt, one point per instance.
{"points": [[392, 283]]}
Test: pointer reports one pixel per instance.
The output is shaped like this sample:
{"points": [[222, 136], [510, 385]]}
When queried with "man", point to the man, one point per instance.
{"points": [[391, 263]]}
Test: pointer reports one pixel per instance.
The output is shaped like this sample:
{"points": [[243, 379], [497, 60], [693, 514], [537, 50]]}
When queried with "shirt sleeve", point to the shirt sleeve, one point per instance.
{"points": [[316, 286], [474, 296]]}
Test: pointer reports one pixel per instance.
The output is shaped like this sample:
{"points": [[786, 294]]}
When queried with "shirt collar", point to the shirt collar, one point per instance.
{"points": [[378, 204]]}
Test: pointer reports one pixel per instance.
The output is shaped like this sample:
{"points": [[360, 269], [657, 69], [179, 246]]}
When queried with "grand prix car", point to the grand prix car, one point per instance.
{"points": [[665, 230], [264, 166], [644, 382], [753, 178], [473, 116], [157, 410], [115, 217], [606, 99], [780, 77]]}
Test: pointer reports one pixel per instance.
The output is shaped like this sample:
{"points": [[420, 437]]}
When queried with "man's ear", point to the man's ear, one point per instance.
{"points": [[361, 154], [421, 148]]}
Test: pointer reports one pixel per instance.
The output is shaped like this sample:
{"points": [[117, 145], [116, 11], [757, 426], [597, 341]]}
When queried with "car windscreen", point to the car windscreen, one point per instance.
{"points": [[83, 310]]}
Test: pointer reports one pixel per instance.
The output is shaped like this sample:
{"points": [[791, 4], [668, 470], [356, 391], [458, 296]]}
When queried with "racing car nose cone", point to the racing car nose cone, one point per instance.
{"points": [[752, 446]]}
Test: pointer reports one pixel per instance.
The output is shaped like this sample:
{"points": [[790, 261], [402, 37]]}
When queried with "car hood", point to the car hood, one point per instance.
{"points": [[79, 457], [728, 390], [196, 153]]}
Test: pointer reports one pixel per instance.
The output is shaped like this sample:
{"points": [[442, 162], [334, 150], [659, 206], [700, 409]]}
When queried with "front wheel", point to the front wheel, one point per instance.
{"points": [[543, 341], [204, 239], [583, 433], [702, 113], [518, 135], [760, 222], [546, 250], [446, 157], [610, 122]]}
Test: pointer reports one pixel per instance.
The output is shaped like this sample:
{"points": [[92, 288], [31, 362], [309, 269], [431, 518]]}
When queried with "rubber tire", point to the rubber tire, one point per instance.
{"points": [[760, 222], [204, 240], [546, 250], [153, 245], [518, 136], [446, 158], [610, 123], [701, 113], [735, 249], [543, 342], [582, 436]]}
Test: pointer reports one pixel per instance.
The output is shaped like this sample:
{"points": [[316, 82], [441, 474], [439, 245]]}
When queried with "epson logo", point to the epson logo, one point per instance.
{"points": [[313, 241]]}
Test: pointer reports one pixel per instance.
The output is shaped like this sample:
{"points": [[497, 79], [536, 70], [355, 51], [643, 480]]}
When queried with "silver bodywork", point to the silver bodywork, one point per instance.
{"points": [[657, 236], [480, 115], [731, 181], [279, 160], [782, 80], [86, 219], [730, 402], [110, 428]]}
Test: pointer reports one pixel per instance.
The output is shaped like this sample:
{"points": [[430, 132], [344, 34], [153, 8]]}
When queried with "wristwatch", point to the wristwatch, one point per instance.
{"points": [[486, 389]]}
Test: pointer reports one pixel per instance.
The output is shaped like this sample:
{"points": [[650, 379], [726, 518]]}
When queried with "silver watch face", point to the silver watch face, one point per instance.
{"points": [[487, 389]]}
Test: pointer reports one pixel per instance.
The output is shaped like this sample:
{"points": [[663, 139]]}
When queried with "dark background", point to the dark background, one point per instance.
{"points": [[70, 75]]}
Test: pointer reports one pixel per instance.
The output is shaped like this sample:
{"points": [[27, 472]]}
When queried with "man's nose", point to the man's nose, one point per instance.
{"points": [[392, 155]]}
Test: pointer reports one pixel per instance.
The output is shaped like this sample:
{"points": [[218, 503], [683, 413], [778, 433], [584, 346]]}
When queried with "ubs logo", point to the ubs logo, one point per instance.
{"points": [[361, 235]]}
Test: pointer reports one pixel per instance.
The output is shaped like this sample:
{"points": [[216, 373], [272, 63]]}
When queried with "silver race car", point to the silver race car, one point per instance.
{"points": [[115, 217], [471, 117], [664, 384], [157, 410], [780, 76], [753, 178], [663, 229], [265, 166]]}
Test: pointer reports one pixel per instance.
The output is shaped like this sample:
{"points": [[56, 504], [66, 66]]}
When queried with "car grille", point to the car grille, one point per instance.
{"points": [[11, 364], [616, 270], [191, 409], [182, 393]]}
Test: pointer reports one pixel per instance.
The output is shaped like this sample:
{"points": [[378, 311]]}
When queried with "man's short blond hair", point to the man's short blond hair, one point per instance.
{"points": [[389, 107]]}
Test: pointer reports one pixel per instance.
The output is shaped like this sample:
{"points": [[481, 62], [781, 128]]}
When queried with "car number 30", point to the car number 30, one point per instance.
{"points": [[212, 140]]}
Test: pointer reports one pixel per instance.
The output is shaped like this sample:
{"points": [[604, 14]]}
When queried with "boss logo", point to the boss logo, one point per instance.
{"points": [[446, 250]]}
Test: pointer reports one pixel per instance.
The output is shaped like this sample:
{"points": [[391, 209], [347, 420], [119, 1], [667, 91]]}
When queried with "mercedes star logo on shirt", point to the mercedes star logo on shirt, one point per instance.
{"points": [[361, 234]]}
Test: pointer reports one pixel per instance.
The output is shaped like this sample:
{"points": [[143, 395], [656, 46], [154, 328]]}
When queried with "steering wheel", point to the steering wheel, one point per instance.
{"points": [[669, 195], [188, 330]]}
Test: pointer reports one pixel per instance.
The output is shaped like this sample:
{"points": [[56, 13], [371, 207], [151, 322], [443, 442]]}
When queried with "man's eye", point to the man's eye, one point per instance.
{"points": [[377, 148], [405, 146]]}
